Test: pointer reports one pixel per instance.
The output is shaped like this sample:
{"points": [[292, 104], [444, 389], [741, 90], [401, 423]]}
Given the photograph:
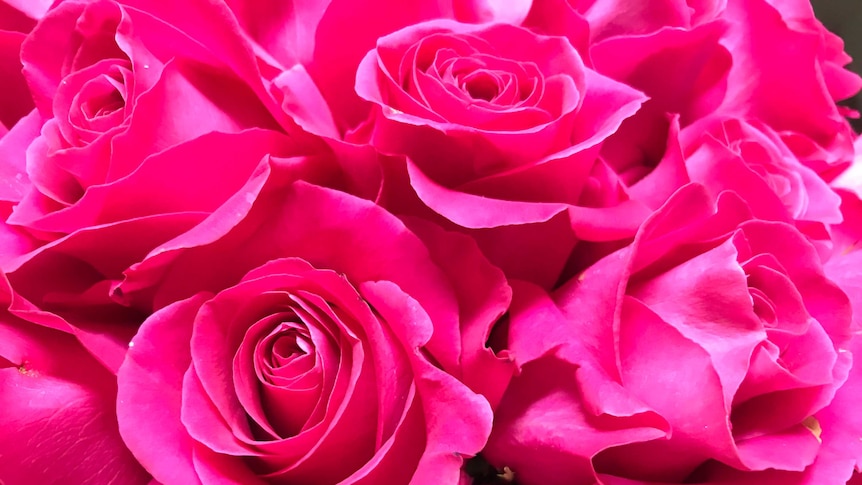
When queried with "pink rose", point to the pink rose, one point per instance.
{"points": [[59, 419], [500, 128], [715, 360], [700, 58], [145, 134], [316, 335], [749, 158], [103, 99], [802, 111], [517, 170], [770, 178]]}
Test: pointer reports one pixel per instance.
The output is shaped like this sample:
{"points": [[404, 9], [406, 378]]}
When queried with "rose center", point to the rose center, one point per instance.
{"points": [[481, 85], [288, 344], [102, 105]]}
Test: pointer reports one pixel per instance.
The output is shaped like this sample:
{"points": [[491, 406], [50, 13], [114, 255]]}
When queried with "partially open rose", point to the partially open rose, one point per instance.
{"points": [[107, 97], [750, 158], [139, 134], [715, 360]]}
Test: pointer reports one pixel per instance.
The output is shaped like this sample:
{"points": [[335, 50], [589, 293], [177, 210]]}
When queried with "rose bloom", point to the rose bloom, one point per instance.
{"points": [[486, 127], [124, 85], [315, 349], [727, 61], [751, 159], [501, 129], [714, 349], [139, 134]]}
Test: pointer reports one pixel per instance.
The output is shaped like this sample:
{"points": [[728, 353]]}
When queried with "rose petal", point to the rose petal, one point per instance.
{"points": [[149, 393]]}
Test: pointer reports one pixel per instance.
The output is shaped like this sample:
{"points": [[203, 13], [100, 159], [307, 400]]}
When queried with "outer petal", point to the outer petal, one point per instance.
{"points": [[330, 220], [193, 185], [149, 393], [15, 100], [58, 411], [757, 87], [286, 31], [71, 277], [457, 420], [503, 11], [342, 42], [14, 182], [35, 9], [483, 297]]}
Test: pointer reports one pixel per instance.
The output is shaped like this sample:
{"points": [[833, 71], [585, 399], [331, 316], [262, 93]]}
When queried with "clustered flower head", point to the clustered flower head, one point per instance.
{"points": [[431, 242]]}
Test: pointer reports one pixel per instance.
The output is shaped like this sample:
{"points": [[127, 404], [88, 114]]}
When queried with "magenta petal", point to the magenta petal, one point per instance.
{"points": [[706, 299], [843, 269], [150, 393], [691, 398], [757, 86], [186, 102], [302, 99], [483, 297], [53, 390], [842, 426], [285, 31], [546, 434], [559, 17], [218, 469], [669, 175], [14, 182], [457, 420], [192, 187], [478, 11], [19, 15], [477, 212], [15, 101], [204, 423], [793, 449]]}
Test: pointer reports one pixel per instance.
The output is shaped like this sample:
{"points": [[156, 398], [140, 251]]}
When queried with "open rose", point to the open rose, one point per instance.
{"points": [[697, 59], [715, 360], [486, 127], [501, 128], [751, 159], [320, 344], [140, 133], [104, 96]]}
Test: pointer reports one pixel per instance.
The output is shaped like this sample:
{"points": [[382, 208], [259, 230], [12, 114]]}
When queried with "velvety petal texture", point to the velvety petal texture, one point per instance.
{"points": [[760, 346], [59, 422], [428, 242], [309, 351]]}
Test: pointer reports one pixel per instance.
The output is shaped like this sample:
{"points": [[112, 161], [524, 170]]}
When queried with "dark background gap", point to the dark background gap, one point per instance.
{"points": [[844, 17]]}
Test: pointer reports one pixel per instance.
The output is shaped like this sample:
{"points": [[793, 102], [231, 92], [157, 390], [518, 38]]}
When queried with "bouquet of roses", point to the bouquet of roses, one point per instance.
{"points": [[440, 242]]}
